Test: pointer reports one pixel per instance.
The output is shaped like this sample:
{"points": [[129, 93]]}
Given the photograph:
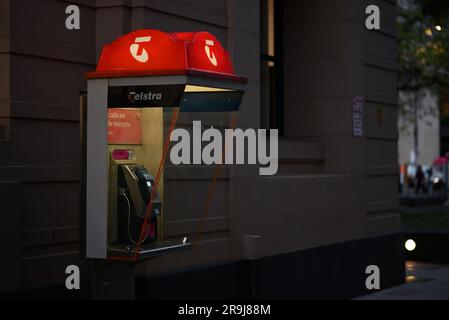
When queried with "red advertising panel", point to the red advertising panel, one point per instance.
{"points": [[124, 126]]}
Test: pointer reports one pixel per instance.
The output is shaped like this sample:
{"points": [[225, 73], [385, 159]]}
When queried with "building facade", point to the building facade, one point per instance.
{"points": [[425, 138], [309, 231]]}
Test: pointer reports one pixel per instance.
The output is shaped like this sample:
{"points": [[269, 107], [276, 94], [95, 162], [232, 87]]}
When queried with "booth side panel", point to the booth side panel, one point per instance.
{"points": [[153, 144], [96, 169]]}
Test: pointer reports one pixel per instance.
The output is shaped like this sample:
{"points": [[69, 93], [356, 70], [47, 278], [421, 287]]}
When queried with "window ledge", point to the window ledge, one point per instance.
{"points": [[300, 152]]}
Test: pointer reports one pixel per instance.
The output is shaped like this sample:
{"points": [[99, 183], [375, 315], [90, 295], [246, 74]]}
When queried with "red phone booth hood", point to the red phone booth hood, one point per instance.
{"points": [[155, 53]]}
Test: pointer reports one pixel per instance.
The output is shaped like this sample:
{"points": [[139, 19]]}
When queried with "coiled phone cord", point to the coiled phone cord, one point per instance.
{"points": [[129, 221]]}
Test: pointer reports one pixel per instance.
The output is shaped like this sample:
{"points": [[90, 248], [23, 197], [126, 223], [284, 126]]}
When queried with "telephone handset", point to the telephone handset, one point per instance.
{"points": [[140, 185], [136, 187]]}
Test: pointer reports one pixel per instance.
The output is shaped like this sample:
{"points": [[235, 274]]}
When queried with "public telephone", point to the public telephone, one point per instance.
{"points": [[135, 186], [130, 194], [140, 77]]}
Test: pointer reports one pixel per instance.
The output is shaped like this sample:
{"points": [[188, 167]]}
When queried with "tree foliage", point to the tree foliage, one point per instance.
{"points": [[423, 45]]}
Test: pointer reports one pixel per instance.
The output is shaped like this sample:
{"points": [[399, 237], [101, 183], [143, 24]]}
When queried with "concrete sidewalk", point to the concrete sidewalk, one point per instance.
{"points": [[424, 281]]}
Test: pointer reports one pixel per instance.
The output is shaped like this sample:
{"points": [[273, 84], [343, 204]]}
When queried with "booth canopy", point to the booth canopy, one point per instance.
{"points": [[155, 53], [197, 72]]}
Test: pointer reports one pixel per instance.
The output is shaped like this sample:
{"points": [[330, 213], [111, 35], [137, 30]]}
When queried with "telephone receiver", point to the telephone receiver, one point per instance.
{"points": [[140, 186]]}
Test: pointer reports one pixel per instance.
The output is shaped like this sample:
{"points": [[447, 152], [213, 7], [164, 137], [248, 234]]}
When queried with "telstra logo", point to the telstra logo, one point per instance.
{"points": [[144, 96]]}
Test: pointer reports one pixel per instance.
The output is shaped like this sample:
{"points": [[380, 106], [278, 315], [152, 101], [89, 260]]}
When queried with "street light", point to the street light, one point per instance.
{"points": [[410, 245]]}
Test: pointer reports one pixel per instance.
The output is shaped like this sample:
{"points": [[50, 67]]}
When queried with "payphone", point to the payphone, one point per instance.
{"points": [[141, 79], [131, 190]]}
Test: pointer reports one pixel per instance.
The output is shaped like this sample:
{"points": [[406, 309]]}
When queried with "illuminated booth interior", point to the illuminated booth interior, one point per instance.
{"points": [[143, 78]]}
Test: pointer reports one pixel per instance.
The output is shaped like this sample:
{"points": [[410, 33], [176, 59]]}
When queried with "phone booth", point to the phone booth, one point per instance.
{"points": [[141, 79]]}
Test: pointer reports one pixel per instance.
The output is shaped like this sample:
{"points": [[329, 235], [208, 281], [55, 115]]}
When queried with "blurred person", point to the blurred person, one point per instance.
{"points": [[419, 178]]}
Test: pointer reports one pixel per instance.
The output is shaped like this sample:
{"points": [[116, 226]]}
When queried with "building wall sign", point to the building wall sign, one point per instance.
{"points": [[357, 116]]}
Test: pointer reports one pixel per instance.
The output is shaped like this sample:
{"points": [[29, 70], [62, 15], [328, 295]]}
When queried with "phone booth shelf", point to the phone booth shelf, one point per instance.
{"points": [[140, 76]]}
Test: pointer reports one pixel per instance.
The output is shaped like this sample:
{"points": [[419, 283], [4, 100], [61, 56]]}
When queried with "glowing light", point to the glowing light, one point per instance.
{"points": [[428, 31], [438, 28], [191, 88], [410, 265], [410, 245], [122, 154]]}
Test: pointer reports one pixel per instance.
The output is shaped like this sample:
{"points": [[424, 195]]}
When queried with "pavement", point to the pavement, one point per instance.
{"points": [[412, 199], [424, 281]]}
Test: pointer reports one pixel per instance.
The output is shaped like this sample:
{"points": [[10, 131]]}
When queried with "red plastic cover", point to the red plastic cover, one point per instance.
{"points": [[153, 52]]}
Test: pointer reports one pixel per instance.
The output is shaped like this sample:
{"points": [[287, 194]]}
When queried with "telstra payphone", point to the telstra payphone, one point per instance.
{"points": [[143, 78], [131, 190]]}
